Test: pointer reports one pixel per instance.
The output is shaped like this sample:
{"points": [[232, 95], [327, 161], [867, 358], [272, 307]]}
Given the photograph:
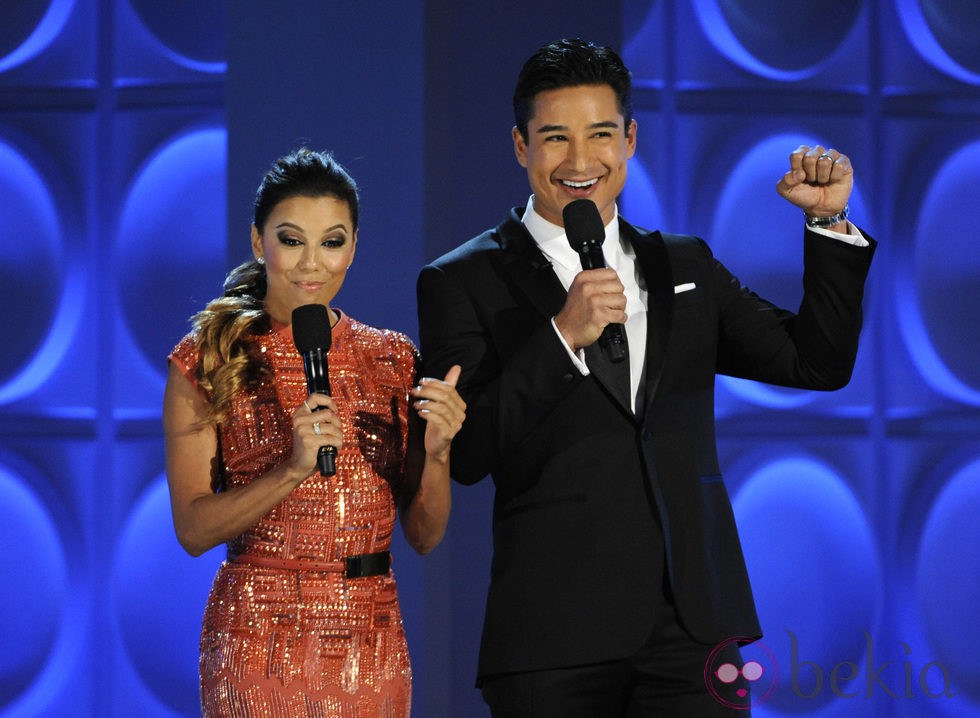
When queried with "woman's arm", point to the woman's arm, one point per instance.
{"points": [[204, 519], [425, 515]]}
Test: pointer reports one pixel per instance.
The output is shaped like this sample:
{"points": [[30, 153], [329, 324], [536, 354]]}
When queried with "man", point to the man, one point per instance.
{"points": [[617, 566]]}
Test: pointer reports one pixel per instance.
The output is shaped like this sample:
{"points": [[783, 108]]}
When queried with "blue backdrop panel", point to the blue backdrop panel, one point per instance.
{"points": [[150, 569], [935, 266], [179, 42], [945, 588], [169, 255], [753, 43], [942, 39], [38, 621], [933, 571], [35, 241], [43, 182], [818, 586], [937, 298], [50, 535], [48, 43]]}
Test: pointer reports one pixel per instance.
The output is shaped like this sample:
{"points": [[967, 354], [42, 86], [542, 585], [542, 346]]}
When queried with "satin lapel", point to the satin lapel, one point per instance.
{"points": [[651, 256], [529, 271]]}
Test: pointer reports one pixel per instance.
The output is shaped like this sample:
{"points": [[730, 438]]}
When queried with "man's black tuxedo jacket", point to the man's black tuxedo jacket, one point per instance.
{"points": [[595, 504]]}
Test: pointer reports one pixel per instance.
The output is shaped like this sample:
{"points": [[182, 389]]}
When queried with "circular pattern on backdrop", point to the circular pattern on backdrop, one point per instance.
{"points": [[199, 43], [814, 569], [945, 34], [639, 198], [947, 579], [32, 275], [779, 39], [28, 29], [159, 594], [938, 282], [641, 43], [172, 240], [33, 591]]}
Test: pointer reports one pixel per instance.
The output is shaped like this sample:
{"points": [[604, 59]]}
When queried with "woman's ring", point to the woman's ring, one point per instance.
{"points": [[307, 406], [826, 156], [316, 428]]}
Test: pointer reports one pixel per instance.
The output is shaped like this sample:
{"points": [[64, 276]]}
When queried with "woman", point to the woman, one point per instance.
{"points": [[303, 617]]}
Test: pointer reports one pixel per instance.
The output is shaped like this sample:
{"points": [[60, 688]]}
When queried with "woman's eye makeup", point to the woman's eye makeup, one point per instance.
{"points": [[289, 240]]}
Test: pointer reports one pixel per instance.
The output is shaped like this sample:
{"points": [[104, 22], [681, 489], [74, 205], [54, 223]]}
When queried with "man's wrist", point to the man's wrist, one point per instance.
{"points": [[828, 222], [577, 357]]}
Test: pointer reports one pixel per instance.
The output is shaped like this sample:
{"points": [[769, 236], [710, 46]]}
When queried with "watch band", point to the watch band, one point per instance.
{"points": [[824, 222]]}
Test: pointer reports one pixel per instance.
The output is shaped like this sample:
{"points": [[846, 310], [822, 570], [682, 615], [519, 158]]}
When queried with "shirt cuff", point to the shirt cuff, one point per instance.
{"points": [[577, 359], [853, 235]]}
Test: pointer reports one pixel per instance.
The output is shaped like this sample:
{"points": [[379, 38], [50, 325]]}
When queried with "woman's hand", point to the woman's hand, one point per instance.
{"points": [[443, 410], [315, 424], [426, 512]]}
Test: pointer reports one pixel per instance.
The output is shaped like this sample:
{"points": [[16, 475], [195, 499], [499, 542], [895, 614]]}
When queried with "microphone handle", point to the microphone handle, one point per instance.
{"points": [[318, 382], [613, 342], [326, 460], [613, 337]]}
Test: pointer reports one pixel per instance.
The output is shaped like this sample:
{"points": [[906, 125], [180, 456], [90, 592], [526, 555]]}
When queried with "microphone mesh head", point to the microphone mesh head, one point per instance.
{"points": [[311, 328], [582, 223]]}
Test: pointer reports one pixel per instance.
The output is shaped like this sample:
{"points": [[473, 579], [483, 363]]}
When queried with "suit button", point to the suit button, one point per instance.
{"points": [[646, 435], [568, 377]]}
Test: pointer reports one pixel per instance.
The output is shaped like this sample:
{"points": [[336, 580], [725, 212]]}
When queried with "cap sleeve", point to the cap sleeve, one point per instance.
{"points": [[186, 356]]}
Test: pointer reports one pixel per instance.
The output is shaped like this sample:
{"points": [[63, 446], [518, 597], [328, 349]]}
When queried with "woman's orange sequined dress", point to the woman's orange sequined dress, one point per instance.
{"points": [[278, 639]]}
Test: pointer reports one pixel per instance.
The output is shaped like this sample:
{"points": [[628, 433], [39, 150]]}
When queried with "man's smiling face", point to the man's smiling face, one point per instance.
{"points": [[577, 147]]}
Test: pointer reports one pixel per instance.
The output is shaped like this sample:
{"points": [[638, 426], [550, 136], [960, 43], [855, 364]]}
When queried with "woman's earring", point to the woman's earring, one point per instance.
{"points": [[260, 260]]}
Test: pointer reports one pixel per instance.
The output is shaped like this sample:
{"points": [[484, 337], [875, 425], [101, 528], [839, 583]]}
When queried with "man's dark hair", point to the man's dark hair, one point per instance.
{"points": [[569, 63]]}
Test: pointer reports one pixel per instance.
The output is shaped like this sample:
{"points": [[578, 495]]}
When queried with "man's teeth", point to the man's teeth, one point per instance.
{"points": [[579, 185]]}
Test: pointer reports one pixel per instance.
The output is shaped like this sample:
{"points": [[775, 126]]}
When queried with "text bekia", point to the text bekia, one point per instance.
{"points": [[897, 679]]}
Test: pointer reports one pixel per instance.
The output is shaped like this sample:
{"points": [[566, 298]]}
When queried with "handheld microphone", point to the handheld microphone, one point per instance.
{"points": [[585, 232], [311, 333]]}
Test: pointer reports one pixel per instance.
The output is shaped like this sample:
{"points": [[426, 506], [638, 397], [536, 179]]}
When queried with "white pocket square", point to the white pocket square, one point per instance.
{"points": [[687, 287]]}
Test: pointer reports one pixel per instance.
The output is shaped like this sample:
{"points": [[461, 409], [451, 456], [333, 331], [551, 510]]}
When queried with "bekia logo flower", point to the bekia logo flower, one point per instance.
{"points": [[740, 683]]}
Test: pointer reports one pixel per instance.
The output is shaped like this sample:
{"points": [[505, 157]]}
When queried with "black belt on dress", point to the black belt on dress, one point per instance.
{"points": [[367, 564], [359, 566]]}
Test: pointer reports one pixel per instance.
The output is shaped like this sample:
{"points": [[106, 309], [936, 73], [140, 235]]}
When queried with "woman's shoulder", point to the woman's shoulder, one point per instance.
{"points": [[389, 339], [186, 357], [187, 351]]}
